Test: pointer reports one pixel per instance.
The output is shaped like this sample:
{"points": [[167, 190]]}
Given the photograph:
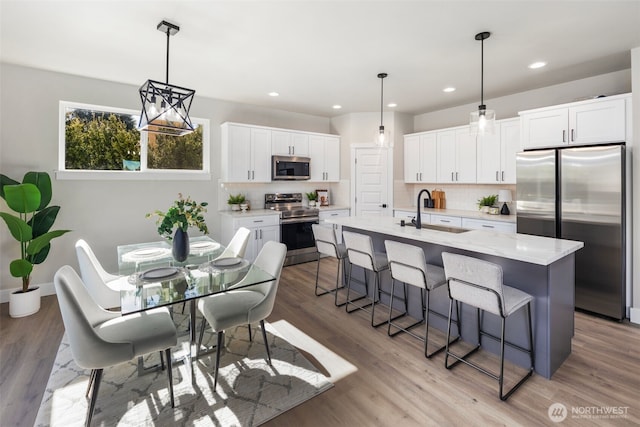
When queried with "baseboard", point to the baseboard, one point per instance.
{"points": [[45, 289], [634, 315]]}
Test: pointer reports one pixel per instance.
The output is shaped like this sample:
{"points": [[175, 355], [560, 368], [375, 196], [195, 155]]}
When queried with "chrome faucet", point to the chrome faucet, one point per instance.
{"points": [[418, 222]]}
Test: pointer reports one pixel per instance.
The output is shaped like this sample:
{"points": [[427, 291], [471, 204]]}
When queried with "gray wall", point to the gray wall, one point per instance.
{"points": [[105, 213]]}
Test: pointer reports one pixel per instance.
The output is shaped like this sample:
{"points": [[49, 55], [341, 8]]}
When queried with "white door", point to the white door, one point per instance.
{"points": [[371, 182]]}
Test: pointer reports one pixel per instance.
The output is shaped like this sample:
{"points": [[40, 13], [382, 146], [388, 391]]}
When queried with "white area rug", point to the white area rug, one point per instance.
{"points": [[249, 392]]}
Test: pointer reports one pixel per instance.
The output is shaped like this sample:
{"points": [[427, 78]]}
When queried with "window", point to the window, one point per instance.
{"points": [[99, 142]]}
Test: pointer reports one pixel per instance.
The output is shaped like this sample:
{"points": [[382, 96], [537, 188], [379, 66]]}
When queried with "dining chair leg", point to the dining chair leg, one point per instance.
{"points": [[92, 377], [203, 325], [94, 395], [266, 343], [250, 334], [217, 365], [170, 375]]}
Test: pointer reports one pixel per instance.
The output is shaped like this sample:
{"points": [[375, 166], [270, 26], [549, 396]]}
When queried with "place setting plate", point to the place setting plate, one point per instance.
{"points": [[156, 274], [145, 254], [204, 246], [224, 264]]}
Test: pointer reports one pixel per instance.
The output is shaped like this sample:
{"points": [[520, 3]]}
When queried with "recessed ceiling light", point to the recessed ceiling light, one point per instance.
{"points": [[337, 107], [392, 105], [449, 89], [538, 64], [274, 94]]}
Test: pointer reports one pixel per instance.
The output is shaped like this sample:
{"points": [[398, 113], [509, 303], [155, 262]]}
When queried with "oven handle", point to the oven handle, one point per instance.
{"points": [[312, 219]]}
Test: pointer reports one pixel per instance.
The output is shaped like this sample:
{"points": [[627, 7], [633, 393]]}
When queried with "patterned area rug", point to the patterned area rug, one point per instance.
{"points": [[249, 392]]}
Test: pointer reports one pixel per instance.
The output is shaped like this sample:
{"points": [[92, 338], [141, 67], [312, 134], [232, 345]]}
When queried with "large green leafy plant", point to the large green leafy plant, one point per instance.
{"points": [[31, 227], [184, 213]]}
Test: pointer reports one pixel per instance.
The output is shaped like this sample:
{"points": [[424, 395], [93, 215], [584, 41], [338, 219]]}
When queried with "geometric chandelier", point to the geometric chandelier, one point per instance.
{"points": [[165, 107]]}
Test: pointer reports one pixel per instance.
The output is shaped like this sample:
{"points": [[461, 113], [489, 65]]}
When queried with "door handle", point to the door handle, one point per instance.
{"points": [[384, 205]]}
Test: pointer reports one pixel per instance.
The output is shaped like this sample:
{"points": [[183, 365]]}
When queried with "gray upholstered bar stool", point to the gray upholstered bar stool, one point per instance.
{"points": [[361, 253], [479, 284], [408, 265], [327, 244]]}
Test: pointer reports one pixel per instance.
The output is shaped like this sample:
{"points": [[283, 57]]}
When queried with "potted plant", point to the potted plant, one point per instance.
{"points": [[235, 201], [31, 228], [486, 202], [184, 213], [313, 196]]}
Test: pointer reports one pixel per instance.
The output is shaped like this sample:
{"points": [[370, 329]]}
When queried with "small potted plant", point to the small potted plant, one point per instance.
{"points": [[486, 202], [235, 201], [184, 213], [312, 196], [31, 228]]}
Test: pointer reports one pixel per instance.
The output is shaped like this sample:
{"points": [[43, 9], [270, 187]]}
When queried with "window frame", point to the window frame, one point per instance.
{"points": [[144, 173]]}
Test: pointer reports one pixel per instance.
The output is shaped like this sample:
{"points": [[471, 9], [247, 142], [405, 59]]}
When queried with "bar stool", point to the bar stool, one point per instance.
{"points": [[408, 265], [327, 244], [479, 284], [361, 253]]}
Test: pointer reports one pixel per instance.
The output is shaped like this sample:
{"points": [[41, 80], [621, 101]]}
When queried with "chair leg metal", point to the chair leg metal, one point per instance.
{"points": [[376, 290], [351, 301], [250, 332], [92, 377], [266, 342], [217, 365], [94, 395], [400, 329], [170, 376], [203, 325], [340, 280]]}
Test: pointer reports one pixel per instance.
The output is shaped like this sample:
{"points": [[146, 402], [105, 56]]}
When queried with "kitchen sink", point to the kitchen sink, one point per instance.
{"points": [[438, 228]]}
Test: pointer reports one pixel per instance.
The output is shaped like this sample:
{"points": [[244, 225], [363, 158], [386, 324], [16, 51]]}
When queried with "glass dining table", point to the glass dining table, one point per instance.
{"points": [[158, 280]]}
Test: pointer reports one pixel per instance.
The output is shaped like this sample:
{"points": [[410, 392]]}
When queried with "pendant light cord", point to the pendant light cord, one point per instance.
{"points": [[167, 68], [381, 99], [481, 70]]}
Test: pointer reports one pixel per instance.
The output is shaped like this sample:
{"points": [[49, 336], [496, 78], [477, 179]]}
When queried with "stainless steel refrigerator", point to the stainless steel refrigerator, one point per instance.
{"points": [[579, 194]]}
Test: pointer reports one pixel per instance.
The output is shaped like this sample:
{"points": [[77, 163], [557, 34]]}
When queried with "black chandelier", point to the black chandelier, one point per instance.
{"points": [[165, 107]]}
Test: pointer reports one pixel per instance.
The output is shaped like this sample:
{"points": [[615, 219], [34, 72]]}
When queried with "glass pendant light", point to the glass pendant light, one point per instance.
{"points": [[483, 120], [382, 137], [169, 116]]}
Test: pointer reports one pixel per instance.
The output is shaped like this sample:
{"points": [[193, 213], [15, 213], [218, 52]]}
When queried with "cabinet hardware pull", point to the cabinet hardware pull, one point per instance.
{"points": [[417, 179], [445, 220], [258, 220], [503, 175], [420, 176], [456, 176], [497, 176], [253, 174], [256, 238], [563, 135], [487, 226], [261, 234], [248, 175], [451, 176], [572, 138]]}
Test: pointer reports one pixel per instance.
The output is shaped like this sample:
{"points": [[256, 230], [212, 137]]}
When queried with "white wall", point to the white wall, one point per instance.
{"points": [[105, 213]]}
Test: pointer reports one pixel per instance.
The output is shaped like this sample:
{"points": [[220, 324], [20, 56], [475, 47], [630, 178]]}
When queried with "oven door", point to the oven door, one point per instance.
{"points": [[297, 234]]}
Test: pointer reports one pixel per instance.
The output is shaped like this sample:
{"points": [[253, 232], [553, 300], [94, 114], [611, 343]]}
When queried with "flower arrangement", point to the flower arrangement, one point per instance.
{"points": [[184, 213]]}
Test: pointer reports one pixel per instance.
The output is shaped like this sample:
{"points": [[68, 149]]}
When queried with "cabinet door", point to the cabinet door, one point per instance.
{"points": [[602, 121], [412, 159], [446, 152], [253, 245], [281, 143], [465, 172], [266, 234], [316, 153], [545, 128], [489, 157], [332, 159], [238, 154], [260, 155], [509, 148], [428, 157], [300, 144]]}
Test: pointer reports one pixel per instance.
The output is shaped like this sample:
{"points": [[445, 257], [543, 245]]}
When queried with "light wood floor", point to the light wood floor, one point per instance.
{"points": [[394, 384]]}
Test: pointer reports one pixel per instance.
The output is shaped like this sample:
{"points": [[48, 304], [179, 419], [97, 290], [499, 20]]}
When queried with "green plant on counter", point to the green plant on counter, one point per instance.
{"points": [[235, 200], [31, 227], [313, 196], [184, 213], [488, 200]]}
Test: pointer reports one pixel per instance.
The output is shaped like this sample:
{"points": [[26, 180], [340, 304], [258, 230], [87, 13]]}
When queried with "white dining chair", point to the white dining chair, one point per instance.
{"points": [[100, 338], [238, 244], [246, 305], [103, 287]]}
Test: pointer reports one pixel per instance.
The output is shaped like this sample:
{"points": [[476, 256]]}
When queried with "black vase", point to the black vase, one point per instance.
{"points": [[180, 250]]}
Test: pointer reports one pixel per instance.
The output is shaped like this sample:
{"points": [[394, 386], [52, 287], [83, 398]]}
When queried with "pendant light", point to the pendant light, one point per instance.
{"points": [[483, 120], [382, 135], [165, 107]]}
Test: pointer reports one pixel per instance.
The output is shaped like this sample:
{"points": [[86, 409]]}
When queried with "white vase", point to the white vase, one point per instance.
{"points": [[484, 209], [312, 203], [23, 304], [235, 207]]}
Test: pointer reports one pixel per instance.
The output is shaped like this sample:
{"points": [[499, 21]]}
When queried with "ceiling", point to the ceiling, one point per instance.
{"points": [[319, 53]]}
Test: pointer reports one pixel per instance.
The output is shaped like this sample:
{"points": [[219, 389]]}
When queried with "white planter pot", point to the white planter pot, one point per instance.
{"points": [[235, 207], [23, 304]]}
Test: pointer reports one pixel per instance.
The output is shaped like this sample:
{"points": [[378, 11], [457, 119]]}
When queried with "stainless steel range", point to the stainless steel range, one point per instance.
{"points": [[295, 225]]}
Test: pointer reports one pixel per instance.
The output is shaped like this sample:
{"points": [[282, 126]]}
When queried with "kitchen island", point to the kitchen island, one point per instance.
{"points": [[541, 266]]}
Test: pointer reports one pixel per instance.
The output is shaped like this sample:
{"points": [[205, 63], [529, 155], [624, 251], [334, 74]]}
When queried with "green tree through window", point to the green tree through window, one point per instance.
{"points": [[175, 152]]}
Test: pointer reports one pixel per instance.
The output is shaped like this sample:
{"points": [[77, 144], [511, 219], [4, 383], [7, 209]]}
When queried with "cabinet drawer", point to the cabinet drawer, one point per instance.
{"points": [[257, 221], [405, 214], [450, 221], [479, 224], [323, 215]]}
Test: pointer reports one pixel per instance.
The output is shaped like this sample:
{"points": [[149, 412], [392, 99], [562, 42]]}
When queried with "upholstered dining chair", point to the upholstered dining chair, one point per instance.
{"points": [[246, 305], [100, 338], [238, 244], [103, 287]]}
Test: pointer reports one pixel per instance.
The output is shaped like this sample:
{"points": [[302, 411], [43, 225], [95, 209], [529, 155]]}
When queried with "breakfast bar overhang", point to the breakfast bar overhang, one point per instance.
{"points": [[541, 266]]}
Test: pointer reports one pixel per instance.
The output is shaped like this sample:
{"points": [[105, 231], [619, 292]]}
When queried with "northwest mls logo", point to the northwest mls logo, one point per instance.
{"points": [[557, 412]]}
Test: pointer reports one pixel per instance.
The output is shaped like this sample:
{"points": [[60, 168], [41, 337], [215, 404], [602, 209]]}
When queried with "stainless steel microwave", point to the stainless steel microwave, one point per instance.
{"points": [[289, 168]]}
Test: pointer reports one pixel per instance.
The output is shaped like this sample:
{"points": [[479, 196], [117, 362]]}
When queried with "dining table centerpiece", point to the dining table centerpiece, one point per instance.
{"points": [[184, 213]]}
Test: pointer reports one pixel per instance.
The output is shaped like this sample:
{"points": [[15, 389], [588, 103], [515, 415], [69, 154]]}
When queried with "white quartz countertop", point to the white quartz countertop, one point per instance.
{"points": [[521, 247], [333, 208], [249, 213], [461, 213]]}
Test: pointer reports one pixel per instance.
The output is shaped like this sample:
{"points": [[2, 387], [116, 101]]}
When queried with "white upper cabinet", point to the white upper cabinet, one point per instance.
{"points": [[420, 158], [246, 154], [588, 122], [324, 152], [285, 143], [496, 160], [456, 153]]}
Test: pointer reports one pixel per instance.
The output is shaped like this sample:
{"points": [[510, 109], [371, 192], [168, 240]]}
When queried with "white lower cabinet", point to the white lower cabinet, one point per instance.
{"points": [[481, 224], [446, 220], [324, 215], [263, 229]]}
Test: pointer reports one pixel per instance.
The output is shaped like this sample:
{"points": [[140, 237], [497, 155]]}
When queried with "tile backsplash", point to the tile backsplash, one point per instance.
{"points": [[458, 196]]}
